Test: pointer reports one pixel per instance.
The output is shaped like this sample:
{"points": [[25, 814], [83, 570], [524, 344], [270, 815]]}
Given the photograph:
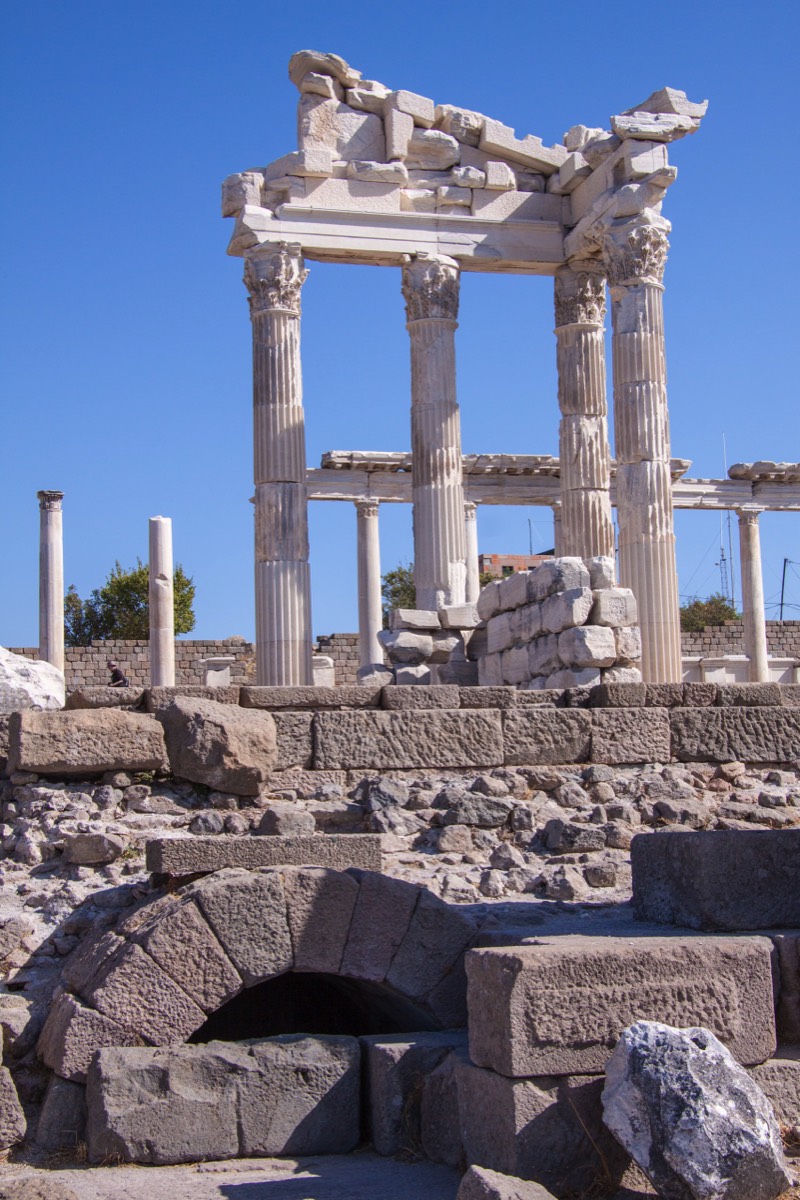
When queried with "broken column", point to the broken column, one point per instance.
{"points": [[161, 604], [473, 584], [636, 257], [580, 304], [370, 611], [558, 539], [51, 578], [274, 275], [755, 625], [430, 288]]}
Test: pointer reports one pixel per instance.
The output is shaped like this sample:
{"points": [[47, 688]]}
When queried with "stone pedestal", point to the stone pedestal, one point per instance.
{"points": [[430, 288], [161, 604], [51, 578], [636, 257], [587, 529], [755, 625], [274, 276], [370, 613], [473, 587]]}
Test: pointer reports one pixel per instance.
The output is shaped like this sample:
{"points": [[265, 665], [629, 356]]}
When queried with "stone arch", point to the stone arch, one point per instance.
{"points": [[178, 959]]}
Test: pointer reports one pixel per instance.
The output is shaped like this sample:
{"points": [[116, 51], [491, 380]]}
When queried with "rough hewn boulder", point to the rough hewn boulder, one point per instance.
{"points": [[29, 683], [480, 1183], [12, 1118], [223, 746], [691, 1117], [84, 742]]}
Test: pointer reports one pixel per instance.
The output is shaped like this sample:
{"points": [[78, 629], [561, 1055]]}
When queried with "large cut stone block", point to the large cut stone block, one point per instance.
{"points": [[277, 698], [436, 695], [84, 742], [630, 735], [182, 944], [319, 906], [779, 1080], [430, 955], [295, 740], [157, 698], [106, 697], [220, 745], [382, 741], [380, 921], [73, 1033], [560, 1006], [480, 1183], [247, 911], [735, 734], [12, 1117], [535, 735], [439, 1116], [193, 855], [62, 1121], [394, 1071], [134, 991], [718, 879]]}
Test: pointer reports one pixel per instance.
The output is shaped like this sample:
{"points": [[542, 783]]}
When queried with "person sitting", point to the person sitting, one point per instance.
{"points": [[118, 679]]}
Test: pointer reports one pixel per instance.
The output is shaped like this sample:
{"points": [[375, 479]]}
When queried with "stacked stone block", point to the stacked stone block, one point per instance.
{"points": [[424, 646], [783, 640], [563, 624]]}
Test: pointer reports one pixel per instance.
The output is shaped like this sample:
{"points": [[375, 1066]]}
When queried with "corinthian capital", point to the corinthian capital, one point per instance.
{"points": [[636, 255], [367, 508], [50, 501], [430, 287], [274, 277], [580, 295]]}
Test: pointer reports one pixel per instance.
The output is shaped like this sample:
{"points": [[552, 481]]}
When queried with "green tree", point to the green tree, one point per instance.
{"points": [[120, 608], [716, 610]]}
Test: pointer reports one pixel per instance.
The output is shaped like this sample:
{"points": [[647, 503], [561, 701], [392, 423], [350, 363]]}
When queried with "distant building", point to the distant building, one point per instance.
{"points": [[499, 565]]}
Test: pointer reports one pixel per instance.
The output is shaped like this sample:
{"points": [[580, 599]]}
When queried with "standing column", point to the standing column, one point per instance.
{"points": [[430, 288], [51, 578], [473, 587], [558, 538], [584, 456], [636, 257], [370, 611], [755, 624], [161, 604], [274, 276]]}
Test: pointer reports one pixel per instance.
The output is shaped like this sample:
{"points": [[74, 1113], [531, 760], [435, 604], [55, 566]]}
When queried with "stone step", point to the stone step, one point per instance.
{"points": [[177, 856]]}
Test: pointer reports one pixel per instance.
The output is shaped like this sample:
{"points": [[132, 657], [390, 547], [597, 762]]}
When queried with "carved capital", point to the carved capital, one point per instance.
{"points": [[749, 516], [430, 287], [470, 510], [636, 255], [50, 501], [367, 508], [580, 296], [274, 278]]}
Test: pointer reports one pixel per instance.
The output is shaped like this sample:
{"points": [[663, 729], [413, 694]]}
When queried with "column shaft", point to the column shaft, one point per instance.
{"points": [[161, 604], [755, 624], [51, 578], [641, 426], [584, 455], [430, 287], [558, 530], [274, 277], [473, 586], [370, 611]]}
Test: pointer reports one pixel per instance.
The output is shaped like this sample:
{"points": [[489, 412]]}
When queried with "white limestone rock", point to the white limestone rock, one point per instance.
{"points": [[563, 610], [468, 177], [515, 665], [29, 683], [671, 100], [305, 61], [515, 590], [588, 646], [573, 677], [416, 619], [579, 136], [461, 123], [654, 127], [490, 670], [489, 601], [348, 133], [500, 139], [241, 189], [614, 606], [543, 656], [419, 108], [374, 673], [526, 622], [410, 649], [375, 172], [418, 200], [431, 149], [459, 616], [453, 197], [322, 85], [498, 633], [602, 572], [629, 644], [691, 1117], [558, 575], [621, 674]]}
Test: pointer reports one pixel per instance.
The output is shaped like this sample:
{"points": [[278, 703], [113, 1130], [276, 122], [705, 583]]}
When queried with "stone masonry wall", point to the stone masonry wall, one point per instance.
{"points": [[783, 639]]}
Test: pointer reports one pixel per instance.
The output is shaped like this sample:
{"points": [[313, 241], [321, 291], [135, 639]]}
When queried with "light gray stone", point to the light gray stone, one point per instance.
{"points": [[587, 646], [526, 622], [536, 735], [415, 620], [395, 1069], [29, 683], [558, 575], [615, 607], [84, 742], [578, 677], [247, 912], [319, 905], [405, 646], [73, 1032], [489, 601], [630, 735], [543, 657], [562, 610], [178, 856], [429, 739], [222, 746]]}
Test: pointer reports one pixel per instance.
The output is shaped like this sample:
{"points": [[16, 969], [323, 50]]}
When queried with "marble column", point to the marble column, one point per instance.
{"points": [[161, 604], [580, 304], [636, 255], [755, 624], [370, 611], [430, 288], [473, 587], [558, 540], [274, 276], [51, 578]]}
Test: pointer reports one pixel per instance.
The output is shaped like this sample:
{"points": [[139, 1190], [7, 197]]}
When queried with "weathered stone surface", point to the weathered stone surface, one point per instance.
{"points": [[380, 921], [437, 695], [488, 697], [182, 943], [431, 954], [106, 697], [191, 855], [562, 610], [725, 1141], [221, 745], [319, 904], [753, 735], [89, 848], [558, 1007], [779, 1080], [749, 695], [394, 1070], [73, 1032], [84, 742], [623, 695], [62, 1120], [247, 912], [12, 1118], [386, 740], [295, 740], [630, 735], [404, 646], [559, 575], [156, 698], [418, 620], [29, 683], [480, 1183], [286, 820], [286, 1095], [614, 606], [534, 735], [276, 698], [35, 1188], [588, 646], [133, 990], [718, 879], [440, 1123]]}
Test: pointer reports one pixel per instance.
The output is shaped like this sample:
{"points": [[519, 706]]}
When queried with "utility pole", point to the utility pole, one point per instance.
{"points": [[783, 587]]}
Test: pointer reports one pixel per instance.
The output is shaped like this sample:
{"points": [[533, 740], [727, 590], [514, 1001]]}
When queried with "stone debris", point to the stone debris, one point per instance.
{"points": [[29, 683], [691, 1117], [220, 745]]}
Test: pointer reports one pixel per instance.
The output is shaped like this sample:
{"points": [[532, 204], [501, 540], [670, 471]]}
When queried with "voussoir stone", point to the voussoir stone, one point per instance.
{"points": [[393, 740], [84, 742], [319, 905], [247, 912], [72, 1034], [134, 991], [381, 917], [558, 1007], [223, 746], [480, 1183]]}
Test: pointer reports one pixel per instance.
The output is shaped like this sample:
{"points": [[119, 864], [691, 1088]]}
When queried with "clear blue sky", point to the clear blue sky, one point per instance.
{"points": [[125, 331]]}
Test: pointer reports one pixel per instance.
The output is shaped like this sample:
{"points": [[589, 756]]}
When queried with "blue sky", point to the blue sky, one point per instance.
{"points": [[125, 331]]}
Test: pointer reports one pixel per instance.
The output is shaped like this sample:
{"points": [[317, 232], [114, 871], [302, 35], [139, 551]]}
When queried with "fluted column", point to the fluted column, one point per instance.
{"points": [[636, 257], [430, 288], [370, 611], [51, 578], [473, 586], [274, 276], [161, 604], [755, 623], [558, 527], [580, 304]]}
